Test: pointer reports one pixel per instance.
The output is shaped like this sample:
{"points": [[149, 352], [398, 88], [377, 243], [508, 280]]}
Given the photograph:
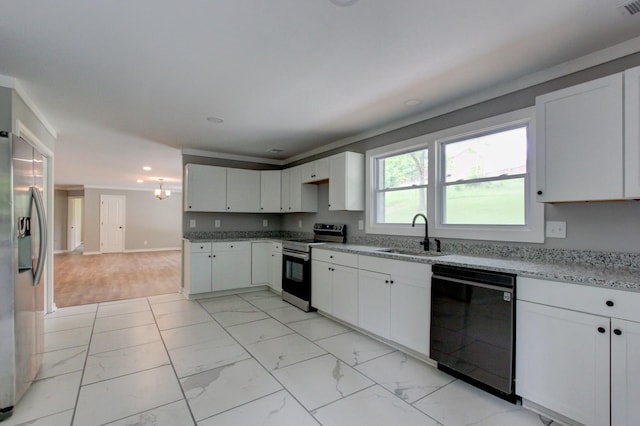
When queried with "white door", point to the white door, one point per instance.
{"points": [[112, 215], [74, 223]]}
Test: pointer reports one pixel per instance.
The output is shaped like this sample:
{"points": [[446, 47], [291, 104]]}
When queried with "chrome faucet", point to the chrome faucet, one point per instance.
{"points": [[424, 242]]}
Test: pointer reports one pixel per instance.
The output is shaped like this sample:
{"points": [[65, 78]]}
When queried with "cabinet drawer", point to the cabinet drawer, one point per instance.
{"points": [[397, 268], [276, 247], [232, 246], [200, 247], [594, 300], [335, 257]]}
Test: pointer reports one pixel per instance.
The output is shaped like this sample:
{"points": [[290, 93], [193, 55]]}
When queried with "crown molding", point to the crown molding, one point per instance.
{"points": [[212, 154]]}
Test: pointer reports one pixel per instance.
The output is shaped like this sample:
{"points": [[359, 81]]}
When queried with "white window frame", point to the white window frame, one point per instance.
{"points": [[532, 231]]}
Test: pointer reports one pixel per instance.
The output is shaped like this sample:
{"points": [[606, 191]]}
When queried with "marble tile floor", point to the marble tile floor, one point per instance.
{"points": [[246, 359]]}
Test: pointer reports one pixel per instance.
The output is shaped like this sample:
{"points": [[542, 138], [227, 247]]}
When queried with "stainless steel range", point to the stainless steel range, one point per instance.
{"points": [[296, 263]]}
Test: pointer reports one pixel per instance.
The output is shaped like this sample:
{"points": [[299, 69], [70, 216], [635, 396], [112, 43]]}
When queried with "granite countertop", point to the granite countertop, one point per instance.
{"points": [[223, 240], [617, 278]]}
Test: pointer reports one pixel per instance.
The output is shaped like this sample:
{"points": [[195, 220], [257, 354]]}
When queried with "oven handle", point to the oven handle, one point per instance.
{"points": [[303, 256], [474, 284]]}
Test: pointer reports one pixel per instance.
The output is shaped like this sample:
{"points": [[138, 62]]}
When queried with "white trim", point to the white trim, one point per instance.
{"points": [[26, 134], [212, 154], [61, 251], [533, 232], [36, 111], [90, 253], [6, 81], [593, 59], [151, 250]]}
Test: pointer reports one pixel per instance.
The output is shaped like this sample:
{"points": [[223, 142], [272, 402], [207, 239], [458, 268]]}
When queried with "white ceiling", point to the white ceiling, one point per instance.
{"points": [[131, 83]]}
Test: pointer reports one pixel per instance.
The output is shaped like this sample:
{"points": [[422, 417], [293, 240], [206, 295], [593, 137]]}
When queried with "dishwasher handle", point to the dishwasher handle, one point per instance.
{"points": [[474, 284]]}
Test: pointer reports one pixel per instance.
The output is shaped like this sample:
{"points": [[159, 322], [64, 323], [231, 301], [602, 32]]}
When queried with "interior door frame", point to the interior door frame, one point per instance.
{"points": [[70, 216], [124, 218]]}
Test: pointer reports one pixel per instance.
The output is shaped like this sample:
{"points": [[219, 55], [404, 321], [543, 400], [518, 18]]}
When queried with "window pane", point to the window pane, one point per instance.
{"points": [[502, 153], [403, 170], [400, 206], [486, 203]]}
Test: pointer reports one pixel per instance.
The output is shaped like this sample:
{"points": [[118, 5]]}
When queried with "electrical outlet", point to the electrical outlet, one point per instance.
{"points": [[300, 223], [361, 224], [216, 223], [145, 242], [192, 223], [265, 223], [556, 229]]}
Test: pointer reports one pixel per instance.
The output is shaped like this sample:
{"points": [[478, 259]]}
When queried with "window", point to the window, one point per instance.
{"points": [[474, 181], [401, 189], [484, 179]]}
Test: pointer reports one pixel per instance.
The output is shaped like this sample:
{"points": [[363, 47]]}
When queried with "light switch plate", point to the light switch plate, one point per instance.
{"points": [[361, 224], [265, 222], [556, 229], [300, 223], [192, 223], [216, 223]]}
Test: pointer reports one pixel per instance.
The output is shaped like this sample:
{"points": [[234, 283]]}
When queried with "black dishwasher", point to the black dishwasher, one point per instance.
{"points": [[473, 326]]}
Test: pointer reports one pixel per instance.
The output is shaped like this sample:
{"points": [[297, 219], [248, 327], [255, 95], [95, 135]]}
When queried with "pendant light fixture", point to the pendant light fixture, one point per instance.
{"points": [[160, 193]]}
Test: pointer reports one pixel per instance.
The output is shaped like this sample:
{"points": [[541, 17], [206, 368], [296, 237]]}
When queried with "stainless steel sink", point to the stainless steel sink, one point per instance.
{"points": [[406, 252]]}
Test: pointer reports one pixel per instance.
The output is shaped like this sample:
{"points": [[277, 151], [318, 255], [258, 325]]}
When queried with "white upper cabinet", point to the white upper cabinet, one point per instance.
{"points": [[588, 140], [205, 188], [580, 142], [243, 190], [632, 133], [346, 181], [303, 197], [315, 171], [270, 187]]}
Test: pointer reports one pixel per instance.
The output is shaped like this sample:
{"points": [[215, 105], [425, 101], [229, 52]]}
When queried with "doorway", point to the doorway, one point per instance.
{"points": [[112, 223], [74, 224]]}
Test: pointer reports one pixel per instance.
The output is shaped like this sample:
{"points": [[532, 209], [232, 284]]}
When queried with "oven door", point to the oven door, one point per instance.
{"points": [[296, 279]]}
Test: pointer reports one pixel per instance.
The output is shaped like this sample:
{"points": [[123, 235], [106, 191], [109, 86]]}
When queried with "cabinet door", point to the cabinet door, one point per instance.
{"points": [[231, 265], [373, 302], [346, 181], [285, 191], [200, 273], [625, 372], [562, 361], [345, 293], [260, 262], [580, 142], [632, 133], [270, 187], [410, 314], [243, 190], [295, 189], [321, 286], [205, 188], [275, 270]]}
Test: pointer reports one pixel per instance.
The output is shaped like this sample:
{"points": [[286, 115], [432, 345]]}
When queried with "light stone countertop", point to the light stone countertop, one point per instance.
{"points": [[616, 278]]}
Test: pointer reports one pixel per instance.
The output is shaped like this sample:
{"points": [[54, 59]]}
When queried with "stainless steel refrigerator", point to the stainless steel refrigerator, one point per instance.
{"points": [[23, 231]]}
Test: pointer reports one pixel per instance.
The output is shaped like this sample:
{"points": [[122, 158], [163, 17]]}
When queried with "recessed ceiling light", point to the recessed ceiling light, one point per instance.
{"points": [[344, 3], [146, 168], [413, 102], [216, 120], [139, 181], [275, 151]]}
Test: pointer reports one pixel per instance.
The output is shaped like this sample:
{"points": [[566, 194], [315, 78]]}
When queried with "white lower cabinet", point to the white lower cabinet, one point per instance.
{"points": [[562, 361], [275, 267], [577, 350], [260, 262], [334, 284], [216, 266], [394, 301]]}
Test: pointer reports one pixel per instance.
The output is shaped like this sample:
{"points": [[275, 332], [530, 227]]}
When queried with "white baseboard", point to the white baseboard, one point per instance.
{"points": [[154, 249], [89, 253], [60, 251]]}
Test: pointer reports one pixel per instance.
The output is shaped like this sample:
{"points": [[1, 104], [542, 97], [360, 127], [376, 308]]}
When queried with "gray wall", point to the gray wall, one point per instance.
{"points": [[60, 207], [147, 218]]}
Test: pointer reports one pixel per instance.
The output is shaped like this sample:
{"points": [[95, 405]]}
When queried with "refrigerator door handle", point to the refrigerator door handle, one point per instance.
{"points": [[42, 225]]}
